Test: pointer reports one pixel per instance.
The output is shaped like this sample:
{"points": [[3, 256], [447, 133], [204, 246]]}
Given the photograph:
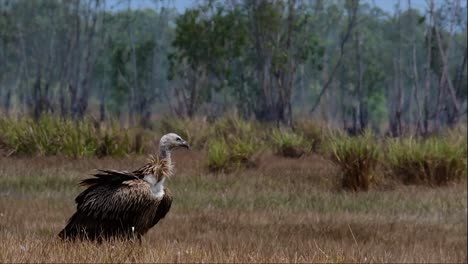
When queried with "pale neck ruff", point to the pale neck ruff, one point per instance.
{"points": [[157, 187]]}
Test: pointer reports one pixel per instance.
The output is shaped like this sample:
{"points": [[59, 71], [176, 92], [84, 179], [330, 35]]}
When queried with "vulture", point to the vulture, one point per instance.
{"points": [[122, 204]]}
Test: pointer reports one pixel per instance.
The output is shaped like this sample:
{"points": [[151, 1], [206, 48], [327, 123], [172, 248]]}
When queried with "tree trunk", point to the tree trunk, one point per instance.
{"points": [[415, 76], [427, 77], [102, 108], [362, 106], [446, 81], [7, 102]]}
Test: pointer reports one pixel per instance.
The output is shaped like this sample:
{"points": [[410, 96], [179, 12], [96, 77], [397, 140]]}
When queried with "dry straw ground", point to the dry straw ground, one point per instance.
{"points": [[285, 210]]}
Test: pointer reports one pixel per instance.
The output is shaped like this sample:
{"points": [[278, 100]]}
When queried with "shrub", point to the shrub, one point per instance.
{"points": [[234, 143], [312, 132], [53, 136], [114, 145], [77, 138], [218, 155], [232, 126], [226, 155], [27, 137], [432, 161], [357, 158], [289, 144], [243, 151]]}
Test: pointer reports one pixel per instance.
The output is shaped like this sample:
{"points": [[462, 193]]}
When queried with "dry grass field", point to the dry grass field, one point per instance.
{"points": [[285, 210]]}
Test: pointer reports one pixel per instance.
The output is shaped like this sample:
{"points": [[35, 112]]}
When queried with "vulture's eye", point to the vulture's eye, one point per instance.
{"points": [[179, 139]]}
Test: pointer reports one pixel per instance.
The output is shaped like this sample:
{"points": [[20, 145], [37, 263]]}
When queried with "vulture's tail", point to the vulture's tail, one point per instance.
{"points": [[71, 231], [76, 229]]}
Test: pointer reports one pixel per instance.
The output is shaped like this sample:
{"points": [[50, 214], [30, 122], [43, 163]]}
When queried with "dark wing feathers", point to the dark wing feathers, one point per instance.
{"points": [[163, 207], [108, 177], [113, 203], [103, 178]]}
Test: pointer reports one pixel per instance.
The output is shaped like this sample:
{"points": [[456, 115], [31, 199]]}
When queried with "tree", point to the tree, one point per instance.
{"points": [[207, 39]]}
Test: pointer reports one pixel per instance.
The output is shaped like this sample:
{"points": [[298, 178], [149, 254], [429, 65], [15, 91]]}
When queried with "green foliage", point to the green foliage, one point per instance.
{"points": [[242, 151], [357, 158], [75, 139], [312, 132], [226, 155], [206, 38], [289, 144], [377, 109], [116, 143], [233, 126], [433, 161], [218, 155], [236, 141], [54, 136]]}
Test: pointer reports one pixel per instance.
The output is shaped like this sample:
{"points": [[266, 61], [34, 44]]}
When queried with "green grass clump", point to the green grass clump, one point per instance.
{"points": [[76, 138], [218, 155], [48, 136], [233, 145], [289, 144], [312, 132], [226, 155], [115, 144], [357, 158], [232, 126], [242, 151], [54, 136], [433, 161]]}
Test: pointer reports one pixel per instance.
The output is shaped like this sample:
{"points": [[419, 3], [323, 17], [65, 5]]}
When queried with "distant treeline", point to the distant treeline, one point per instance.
{"points": [[343, 62]]}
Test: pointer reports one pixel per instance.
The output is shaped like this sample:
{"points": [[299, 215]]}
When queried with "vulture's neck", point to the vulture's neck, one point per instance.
{"points": [[164, 153], [156, 179]]}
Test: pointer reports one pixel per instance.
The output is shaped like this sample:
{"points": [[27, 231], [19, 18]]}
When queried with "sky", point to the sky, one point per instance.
{"points": [[181, 5]]}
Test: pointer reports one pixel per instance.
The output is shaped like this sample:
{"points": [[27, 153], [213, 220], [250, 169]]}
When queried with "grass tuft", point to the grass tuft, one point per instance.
{"points": [[234, 144], [433, 161], [312, 132], [218, 155], [357, 157], [54, 136], [289, 144], [232, 126]]}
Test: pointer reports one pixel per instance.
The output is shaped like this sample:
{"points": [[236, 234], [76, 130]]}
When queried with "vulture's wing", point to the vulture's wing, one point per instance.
{"points": [[163, 208], [115, 203]]}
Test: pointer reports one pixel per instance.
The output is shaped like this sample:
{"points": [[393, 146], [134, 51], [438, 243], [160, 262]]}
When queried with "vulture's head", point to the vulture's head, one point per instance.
{"points": [[172, 141]]}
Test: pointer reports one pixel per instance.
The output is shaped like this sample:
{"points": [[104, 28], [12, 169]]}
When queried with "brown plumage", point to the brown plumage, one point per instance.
{"points": [[121, 204]]}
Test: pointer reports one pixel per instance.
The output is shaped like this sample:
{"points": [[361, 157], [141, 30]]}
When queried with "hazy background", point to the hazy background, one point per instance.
{"points": [[350, 64], [181, 5]]}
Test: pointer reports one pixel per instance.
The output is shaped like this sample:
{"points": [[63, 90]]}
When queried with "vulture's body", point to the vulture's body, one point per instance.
{"points": [[121, 204]]}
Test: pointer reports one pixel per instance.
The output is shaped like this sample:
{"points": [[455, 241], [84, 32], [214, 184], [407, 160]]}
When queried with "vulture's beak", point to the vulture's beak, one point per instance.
{"points": [[185, 145]]}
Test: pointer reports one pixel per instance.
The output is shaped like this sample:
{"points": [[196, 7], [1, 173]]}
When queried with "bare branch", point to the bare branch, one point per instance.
{"points": [[351, 24]]}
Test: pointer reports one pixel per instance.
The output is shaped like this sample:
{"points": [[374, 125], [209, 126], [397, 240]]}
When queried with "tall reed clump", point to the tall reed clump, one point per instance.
{"points": [[290, 144], [313, 132], [218, 155], [54, 136], [434, 161], [25, 137], [233, 144], [116, 141], [357, 157]]}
